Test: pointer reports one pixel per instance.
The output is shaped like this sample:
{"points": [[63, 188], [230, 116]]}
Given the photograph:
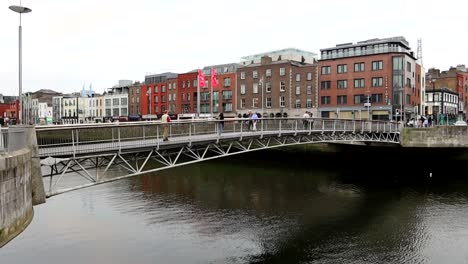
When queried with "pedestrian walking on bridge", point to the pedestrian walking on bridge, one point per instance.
{"points": [[165, 120]]}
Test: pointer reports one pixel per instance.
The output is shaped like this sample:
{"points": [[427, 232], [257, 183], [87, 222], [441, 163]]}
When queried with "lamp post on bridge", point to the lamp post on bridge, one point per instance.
{"points": [[20, 10]]}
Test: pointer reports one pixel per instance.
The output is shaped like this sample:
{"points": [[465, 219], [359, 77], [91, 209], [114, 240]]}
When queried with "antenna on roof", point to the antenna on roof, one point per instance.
{"points": [[419, 52]]}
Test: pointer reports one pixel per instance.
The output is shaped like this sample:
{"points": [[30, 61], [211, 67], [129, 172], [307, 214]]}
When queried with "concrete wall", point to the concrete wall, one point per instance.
{"points": [[439, 137], [16, 210]]}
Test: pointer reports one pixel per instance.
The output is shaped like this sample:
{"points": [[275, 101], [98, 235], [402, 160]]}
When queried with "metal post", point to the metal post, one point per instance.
{"points": [[198, 97], [20, 77], [261, 82]]}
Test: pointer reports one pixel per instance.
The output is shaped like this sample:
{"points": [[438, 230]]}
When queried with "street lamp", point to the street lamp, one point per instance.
{"points": [[20, 10], [261, 84]]}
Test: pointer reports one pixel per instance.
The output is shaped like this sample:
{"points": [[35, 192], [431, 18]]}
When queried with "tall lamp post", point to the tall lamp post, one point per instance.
{"points": [[20, 10]]}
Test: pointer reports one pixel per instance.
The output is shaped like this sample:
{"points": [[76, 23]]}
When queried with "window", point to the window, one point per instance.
{"points": [[309, 89], [255, 74], [377, 65], [268, 73], [342, 99], [242, 103], [342, 84], [408, 99], [282, 101], [282, 71], [377, 98], [254, 102], [255, 88], [408, 66], [326, 70], [204, 96], [174, 97], [227, 82], [156, 109], [325, 100], [123, 101], [156, 89], [282, 86], [377, 82], [170, 86], [188, 84], [297, 104], [359, 67], [298, 77], [358, 98], [115, 101], [227, 107], [298, 90], [309, 76], [138, 99], [342, 68], [325, 85], [170, 97], [358, 83], [268, 87], [408, 82], [242, 89], [242, 75], [227, 95], [268, 102], [309, 103], [156, 99], [398, 63]]}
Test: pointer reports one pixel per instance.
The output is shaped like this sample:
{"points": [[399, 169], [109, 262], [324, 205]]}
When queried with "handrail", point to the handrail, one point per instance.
{"points": [[77, 139]]}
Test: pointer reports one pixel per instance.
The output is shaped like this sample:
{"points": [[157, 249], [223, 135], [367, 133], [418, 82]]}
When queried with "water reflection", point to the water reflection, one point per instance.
{"points": [[273, 209]]}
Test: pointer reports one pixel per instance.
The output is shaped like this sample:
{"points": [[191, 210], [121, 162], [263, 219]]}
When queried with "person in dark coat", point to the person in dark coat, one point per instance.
{"points": [[221, 123]]}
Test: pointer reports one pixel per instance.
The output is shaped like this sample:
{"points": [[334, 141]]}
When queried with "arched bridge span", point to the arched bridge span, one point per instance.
{"points": [[92, 150]]}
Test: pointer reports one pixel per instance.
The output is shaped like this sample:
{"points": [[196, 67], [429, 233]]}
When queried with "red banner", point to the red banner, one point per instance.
{"points": [[214, 80], [201, 79]]}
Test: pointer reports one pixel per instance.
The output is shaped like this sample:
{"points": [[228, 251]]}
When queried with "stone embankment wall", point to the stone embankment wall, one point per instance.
{"points": [[16, 210], [439, 137]]}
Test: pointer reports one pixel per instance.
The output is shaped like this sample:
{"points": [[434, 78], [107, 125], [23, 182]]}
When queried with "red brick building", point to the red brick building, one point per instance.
{"points": [[187, 92], [223, 97], [373, 79], [286, 87], [154, 95], [455, 79]]}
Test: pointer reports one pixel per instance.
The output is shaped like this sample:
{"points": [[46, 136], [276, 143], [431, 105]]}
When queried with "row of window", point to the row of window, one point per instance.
{"points": [[205, 96], [268, 88], [116, 101], [358, 99], [282, 72], [206, 108], [358, 83], [256, 102], [358, 67]]}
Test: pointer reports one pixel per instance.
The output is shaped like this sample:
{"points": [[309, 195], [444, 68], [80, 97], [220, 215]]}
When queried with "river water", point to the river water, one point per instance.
{"points": [[264, 207]]}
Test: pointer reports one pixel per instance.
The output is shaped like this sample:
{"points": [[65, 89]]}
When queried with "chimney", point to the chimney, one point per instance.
{"points": [[266, 60]]}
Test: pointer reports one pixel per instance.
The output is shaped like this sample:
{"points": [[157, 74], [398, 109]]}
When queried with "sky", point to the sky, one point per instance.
{"points": [[68, 44]]}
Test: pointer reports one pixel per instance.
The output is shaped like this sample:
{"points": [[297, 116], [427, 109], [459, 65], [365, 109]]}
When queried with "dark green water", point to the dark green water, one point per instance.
{"points": [[359, 206]]}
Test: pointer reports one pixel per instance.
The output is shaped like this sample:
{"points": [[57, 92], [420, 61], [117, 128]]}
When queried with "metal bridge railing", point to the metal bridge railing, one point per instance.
{"points": [[78, 139], [3, 139]]}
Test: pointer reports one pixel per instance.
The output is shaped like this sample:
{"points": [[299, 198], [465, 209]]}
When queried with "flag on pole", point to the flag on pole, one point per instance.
{"points": [[214, 80], [201, 79]]}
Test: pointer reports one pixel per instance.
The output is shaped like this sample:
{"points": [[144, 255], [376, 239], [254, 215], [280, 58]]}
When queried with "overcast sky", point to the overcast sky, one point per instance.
{"points": [[67, 43]]}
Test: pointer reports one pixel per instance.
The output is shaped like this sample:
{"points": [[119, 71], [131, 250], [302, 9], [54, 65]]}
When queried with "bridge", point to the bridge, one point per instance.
{"points": [[91, 150]]}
